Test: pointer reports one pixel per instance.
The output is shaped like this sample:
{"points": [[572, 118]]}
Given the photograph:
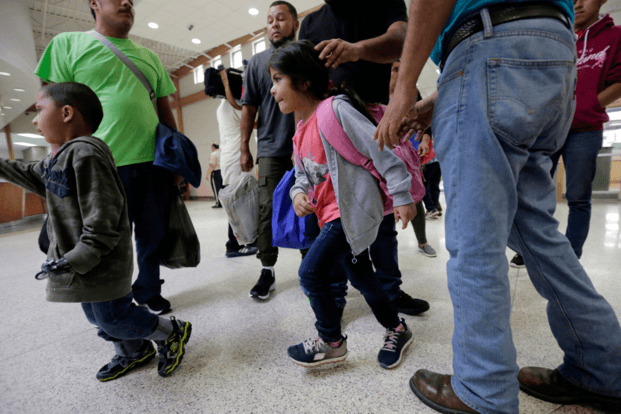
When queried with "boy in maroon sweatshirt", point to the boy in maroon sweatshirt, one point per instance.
{"points": [[599, 85]]}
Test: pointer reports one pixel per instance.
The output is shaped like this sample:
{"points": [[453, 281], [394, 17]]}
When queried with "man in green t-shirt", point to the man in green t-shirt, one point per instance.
{"points": [[128, 126]]}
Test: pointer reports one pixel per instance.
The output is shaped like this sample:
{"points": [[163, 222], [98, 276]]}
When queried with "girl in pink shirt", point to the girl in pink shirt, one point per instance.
{"points": [[345, 198]]}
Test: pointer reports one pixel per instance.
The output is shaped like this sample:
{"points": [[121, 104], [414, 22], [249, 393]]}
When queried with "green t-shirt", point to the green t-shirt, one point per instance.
{"points": [[130, 120]]}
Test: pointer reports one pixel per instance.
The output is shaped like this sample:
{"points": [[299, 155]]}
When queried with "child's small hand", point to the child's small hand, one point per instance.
{"points": [[405, 213], [301, 206]]}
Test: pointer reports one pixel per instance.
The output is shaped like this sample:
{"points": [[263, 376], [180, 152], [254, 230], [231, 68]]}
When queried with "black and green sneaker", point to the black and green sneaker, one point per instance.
{"points": [[171, 350], [121, 365]]}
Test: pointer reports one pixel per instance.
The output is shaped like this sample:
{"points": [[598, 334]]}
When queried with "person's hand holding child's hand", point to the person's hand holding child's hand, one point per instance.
{"points": [[405, 213], [301, 205]]}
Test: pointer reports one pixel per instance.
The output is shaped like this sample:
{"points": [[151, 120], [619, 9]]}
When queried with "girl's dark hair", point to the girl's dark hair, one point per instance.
{"points": [[216, 145], [300, 61], [80, 97]]}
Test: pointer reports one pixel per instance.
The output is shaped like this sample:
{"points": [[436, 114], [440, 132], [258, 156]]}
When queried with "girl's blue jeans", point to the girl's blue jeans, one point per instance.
{"points": [[319, 268]]}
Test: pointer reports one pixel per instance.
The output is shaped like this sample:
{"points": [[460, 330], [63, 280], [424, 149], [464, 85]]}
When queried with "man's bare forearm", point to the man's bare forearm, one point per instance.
{"points": [[609, 95], [426, 20], [386, 48], [164, 112], [249, 113]]}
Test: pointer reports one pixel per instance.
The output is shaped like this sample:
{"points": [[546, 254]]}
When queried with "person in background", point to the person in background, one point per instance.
{"points": [[422, 146], [504, 105], [599, 85], [275, 130], [90, 258], [433, 176], [128, 126], [213, 173], [229, 119], [418, 222]]}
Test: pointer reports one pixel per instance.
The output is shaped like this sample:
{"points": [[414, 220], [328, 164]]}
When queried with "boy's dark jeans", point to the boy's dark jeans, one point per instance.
{"points": [[121, 321], [148, 190], [271, 171], [318, 269]]}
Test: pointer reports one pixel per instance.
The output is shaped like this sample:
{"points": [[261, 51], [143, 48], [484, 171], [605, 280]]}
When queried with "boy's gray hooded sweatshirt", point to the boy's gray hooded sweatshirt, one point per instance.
{"points": [[357, 192], [88, 222]]}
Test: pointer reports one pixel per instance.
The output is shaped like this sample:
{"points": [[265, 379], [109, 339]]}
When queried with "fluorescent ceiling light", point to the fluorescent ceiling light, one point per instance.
{"points": [[16, 100], [27, 135], [7, 107], [153, 25], [19, 90], [253, 11], [196, 41], [25, 144], [5, 74]]}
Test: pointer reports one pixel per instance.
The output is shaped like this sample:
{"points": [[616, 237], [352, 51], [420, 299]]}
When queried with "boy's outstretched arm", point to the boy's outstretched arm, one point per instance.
{"points": [[101, 205], [26, 175]]}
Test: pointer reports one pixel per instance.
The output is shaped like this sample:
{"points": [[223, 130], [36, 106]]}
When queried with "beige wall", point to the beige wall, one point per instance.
{"points": [[201, 125]]}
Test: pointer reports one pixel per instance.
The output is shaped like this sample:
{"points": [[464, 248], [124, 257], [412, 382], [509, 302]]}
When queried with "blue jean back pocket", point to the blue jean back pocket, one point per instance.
{"points": [[519, 115]]}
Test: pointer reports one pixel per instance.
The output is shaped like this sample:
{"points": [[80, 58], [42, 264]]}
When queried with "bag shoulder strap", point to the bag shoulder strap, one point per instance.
{"points": [[127, 61], [334, 133]]}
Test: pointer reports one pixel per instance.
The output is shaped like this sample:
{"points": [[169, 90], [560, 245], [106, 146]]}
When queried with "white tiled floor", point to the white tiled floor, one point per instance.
{"points": [[236, 360]]}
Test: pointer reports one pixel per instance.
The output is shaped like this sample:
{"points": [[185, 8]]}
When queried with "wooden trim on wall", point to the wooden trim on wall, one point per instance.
{"points": [[7, 131], [176, 105]]}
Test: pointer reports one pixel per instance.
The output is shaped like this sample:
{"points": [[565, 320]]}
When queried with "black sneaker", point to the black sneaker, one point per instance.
{"points": [[266, 283], [157, 304], [243, 251], [120, 366], [172, 350], [517, 262], [396, 342], [410, 306]]}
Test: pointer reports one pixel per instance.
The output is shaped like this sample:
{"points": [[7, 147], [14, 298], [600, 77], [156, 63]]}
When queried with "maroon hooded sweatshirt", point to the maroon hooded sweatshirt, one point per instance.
{"points": [[599, 66]]}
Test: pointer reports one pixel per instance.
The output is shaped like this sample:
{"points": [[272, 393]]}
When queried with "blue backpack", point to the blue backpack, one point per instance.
{"points": [[288, 230]]}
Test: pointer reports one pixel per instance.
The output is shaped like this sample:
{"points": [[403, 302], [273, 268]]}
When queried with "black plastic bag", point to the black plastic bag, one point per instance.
{"points": [[180, 247]]}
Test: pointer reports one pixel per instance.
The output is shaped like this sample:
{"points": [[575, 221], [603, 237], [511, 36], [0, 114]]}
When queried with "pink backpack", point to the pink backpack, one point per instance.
{"points": [[342, 144]]}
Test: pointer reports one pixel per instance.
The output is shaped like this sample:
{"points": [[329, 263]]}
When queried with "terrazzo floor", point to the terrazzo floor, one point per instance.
{"points": [[236, 360]]}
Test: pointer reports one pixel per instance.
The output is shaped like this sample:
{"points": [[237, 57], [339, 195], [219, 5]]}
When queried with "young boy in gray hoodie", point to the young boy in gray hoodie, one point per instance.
{"points": [[90, 258]]}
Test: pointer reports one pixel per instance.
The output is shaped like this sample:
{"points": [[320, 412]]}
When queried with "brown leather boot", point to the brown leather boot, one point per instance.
{"points": [[549, 385], [436, 391]]}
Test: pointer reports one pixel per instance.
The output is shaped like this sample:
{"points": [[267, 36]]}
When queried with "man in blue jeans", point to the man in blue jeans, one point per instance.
{"points": [[504, 105]]}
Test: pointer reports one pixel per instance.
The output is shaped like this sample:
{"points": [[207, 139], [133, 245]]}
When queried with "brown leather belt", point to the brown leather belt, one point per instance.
{"points": [[504, 13]]}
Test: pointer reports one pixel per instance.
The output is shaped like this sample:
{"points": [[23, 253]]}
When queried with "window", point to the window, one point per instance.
{"points": [[217, 61], [199, 74], [258, 46], [236, 57]]}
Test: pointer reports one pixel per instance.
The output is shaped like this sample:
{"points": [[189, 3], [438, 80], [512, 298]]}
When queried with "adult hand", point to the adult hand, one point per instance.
{"points": [[337, 52], [405, 213], [246, 161], [419, 119], [392, 127], [301, 206]]}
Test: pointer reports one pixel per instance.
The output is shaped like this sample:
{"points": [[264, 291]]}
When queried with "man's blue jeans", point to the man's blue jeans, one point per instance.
{"points": [[504, 107], [580, 159], [317, 270], [148, 198]]}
